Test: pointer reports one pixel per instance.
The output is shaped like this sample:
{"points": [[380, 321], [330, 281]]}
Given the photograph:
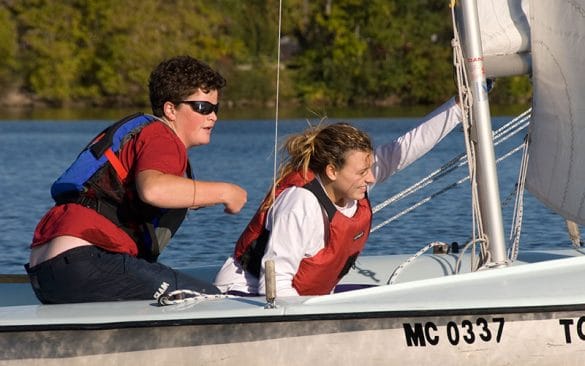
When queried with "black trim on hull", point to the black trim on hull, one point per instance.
{"points": [[77, 340], [295, 318]]}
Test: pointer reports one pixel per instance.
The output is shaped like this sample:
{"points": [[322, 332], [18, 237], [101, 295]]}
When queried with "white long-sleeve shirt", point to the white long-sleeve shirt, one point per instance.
{"points": [[297, 222]]}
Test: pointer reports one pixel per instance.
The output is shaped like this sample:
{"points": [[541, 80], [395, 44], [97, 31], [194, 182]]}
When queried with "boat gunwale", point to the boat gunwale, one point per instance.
{"points": [[466, 312]]}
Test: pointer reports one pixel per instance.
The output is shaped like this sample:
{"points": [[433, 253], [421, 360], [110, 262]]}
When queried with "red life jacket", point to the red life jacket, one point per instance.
{"points": [[318, 274]]}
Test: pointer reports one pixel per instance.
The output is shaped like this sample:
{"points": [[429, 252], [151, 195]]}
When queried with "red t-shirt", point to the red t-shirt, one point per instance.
{"points": [[155, 147]]}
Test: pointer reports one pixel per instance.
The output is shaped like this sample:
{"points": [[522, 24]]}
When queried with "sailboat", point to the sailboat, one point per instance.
{"points": [[500, 305]]}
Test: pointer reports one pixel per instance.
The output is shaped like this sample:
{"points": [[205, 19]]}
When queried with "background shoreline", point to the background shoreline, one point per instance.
{"points": [[227, 113]]}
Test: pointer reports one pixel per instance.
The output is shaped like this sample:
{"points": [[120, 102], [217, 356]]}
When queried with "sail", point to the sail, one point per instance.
{"points": [[505, 36], [505, 27], [556, 170]]}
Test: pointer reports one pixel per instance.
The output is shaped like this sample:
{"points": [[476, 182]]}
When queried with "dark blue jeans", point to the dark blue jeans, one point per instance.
{"points": [[89, 274]]}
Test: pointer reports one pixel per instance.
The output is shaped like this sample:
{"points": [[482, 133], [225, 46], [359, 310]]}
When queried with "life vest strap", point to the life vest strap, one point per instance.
{"points": [[116, 164], [315, 187]]}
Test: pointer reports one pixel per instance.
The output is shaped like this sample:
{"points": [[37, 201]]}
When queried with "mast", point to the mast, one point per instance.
{"points": [[487, 179]]}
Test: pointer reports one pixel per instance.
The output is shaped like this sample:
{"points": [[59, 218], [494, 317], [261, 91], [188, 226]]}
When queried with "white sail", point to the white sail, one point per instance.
{"points": [[505, 36], [556, 171], [505, 28]]}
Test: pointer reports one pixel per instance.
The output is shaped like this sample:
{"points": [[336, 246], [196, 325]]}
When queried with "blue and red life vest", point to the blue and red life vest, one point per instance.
{"points": [[316, 275], [97, 180]]}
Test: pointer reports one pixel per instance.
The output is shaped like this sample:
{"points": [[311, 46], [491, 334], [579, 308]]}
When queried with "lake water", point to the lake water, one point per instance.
{"points": [[34, 153]]}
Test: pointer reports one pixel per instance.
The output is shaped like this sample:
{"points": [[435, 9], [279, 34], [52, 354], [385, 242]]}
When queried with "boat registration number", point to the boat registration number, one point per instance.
{"points": [[455, 332]]}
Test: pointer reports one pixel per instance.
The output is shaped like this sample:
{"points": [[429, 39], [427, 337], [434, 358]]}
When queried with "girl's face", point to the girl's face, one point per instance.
{"points": [[352, 180]]}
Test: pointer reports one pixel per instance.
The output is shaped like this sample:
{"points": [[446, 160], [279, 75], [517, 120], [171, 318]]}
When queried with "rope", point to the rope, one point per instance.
{"points": [[475, 262], [518, 120], [441, 172], [419, 203], [478, 235], [502, 134], [407, 262], [275, 165], [505, 132], [518, 206], [439, 192], [182, 296]]}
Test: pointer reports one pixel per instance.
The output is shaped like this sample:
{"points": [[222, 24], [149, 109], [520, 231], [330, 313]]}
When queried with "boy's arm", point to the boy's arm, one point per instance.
{"points": [[170, 191]]}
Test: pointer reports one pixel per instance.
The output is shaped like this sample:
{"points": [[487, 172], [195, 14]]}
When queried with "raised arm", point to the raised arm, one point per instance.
{"points": [[398, 154]]}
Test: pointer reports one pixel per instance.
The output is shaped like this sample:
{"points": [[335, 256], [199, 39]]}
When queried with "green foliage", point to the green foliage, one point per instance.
{"points": [[513, 90], [381, 52], [8, 43], [8, 49], [131, 46], [339, 52], [54, 51]]}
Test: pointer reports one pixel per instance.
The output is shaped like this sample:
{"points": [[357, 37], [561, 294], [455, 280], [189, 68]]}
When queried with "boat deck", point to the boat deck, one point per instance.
{"points": [[539, 279]]}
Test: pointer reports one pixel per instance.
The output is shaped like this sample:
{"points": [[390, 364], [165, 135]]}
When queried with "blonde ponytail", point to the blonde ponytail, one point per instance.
{"points": [[317, 147]]}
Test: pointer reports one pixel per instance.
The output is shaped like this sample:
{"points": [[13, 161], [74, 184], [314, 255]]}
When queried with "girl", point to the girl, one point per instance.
{"points": [[320, 218]]}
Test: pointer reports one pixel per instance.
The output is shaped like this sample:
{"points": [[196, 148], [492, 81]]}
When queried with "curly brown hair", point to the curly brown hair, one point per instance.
{"points": [[176, 78]]}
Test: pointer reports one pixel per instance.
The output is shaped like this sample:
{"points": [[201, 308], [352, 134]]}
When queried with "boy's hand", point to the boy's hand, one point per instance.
{"points": [[235, 198]]}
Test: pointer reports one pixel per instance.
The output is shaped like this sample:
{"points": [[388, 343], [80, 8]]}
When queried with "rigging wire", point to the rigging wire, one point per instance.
{"points": [[519, 206], [502, 134], [275, 165], [464, 97], [439, 192]]}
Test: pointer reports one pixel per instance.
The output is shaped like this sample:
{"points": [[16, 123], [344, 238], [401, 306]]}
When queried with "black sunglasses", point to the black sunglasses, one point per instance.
{"points": [[200, 107]]}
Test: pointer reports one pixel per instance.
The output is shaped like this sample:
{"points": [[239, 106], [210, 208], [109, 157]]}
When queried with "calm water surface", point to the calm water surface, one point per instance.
{"points": [[34, 153]]}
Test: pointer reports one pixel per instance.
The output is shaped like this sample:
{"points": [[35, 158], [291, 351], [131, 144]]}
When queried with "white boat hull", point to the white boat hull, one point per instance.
{"points": [[538, 337], [528, 314]]}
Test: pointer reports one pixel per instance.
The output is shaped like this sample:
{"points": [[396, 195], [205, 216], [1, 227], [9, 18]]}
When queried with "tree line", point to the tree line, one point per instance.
{"points": [[332, 52]]}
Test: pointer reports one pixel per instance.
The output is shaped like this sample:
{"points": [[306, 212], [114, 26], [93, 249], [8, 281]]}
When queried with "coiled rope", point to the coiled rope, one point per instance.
{"points": [[181, 296]]}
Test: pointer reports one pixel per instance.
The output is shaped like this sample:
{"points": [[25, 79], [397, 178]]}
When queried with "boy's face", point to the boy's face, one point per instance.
{"points": [[194, 128]]}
